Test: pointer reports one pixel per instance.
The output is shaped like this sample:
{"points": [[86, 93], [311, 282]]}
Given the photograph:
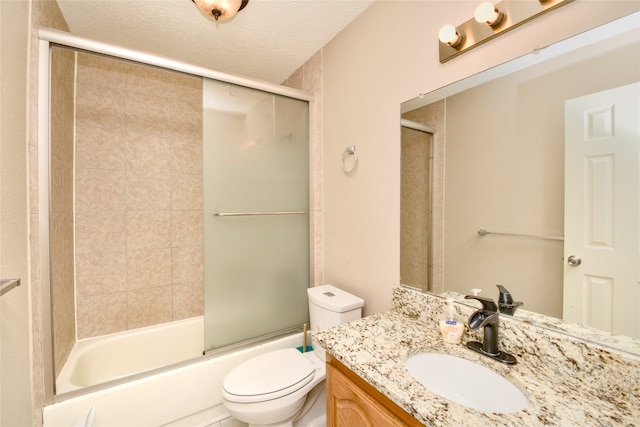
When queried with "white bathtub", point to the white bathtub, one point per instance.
{"points": [[188, 395], [96, 360]]}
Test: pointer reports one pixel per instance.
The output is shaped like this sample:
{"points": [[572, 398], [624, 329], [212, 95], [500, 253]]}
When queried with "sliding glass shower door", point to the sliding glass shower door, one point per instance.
{"points": [[256, 213]]}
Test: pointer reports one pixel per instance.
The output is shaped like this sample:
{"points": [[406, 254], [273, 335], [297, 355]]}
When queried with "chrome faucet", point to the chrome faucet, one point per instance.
{"points": [[488, 318]]}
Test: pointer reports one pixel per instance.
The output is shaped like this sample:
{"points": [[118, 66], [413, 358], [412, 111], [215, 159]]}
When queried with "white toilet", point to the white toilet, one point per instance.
{"points": [[286, 388]]}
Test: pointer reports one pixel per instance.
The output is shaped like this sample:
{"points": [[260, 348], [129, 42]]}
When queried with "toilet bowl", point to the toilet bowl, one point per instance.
{"points": [[272, 389], [286, 388]]}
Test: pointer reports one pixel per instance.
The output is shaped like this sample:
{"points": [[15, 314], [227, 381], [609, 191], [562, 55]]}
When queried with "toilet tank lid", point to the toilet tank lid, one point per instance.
{"points": [[334, 299]]}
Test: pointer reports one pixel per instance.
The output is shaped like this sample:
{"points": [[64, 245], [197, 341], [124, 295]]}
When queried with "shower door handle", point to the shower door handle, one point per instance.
{"points": [[259, 213]]}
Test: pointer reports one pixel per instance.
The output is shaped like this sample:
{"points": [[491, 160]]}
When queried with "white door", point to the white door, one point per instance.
{"points": [[602, 232]]}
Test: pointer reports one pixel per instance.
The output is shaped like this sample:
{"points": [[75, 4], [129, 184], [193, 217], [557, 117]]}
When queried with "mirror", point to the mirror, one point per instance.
{"points": [[499, 166]]}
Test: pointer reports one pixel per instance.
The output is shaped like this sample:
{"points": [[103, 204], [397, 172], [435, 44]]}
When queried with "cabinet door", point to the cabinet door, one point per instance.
{"points": [[354, 403]]}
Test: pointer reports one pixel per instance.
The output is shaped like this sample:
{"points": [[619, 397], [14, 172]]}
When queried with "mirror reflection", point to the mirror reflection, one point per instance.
{"points": [[498, 185]]}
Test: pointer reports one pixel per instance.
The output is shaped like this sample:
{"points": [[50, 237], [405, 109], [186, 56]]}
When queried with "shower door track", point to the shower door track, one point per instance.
{"points": [[260, 213]]}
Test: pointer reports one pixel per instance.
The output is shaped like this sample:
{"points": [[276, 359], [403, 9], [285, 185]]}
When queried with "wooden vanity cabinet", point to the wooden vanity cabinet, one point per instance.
{"points": [[352, 402]]}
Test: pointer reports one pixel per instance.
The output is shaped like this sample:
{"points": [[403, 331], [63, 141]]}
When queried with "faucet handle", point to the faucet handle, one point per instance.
{"points": [[505, 301], [505, 295], [487, 303]]}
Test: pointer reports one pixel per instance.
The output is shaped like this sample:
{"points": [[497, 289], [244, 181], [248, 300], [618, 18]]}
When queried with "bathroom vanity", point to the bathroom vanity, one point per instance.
{"points": [[351, 401], [566, 381]]}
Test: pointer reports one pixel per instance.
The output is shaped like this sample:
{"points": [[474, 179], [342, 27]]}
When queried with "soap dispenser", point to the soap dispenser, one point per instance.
{"points": [[451, 325]]}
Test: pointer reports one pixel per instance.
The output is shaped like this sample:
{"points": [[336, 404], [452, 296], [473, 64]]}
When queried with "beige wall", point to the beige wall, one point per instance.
{"points": [[387, 56], [21, 375], [16, 402]]}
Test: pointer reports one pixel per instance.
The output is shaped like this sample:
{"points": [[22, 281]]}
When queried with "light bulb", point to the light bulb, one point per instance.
{"points": [[449, 35], [487, 13], [218, 10]]}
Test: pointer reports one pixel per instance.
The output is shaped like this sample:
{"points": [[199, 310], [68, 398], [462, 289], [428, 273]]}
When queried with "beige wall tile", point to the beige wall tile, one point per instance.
{"points": [[138, 124], [99, 106], [186, 151], [148, 191], [149, 229], [186, 228], [101, 314], [100, 231], [186, 192], [99, 147], [100, 190], [147, 151], [165, 83], [96, 70], [98, 263], [187, 264], [101, 285], [188, 300], [309, 78], [189, 115], [148, 268], [149, 306], [148, 111]]}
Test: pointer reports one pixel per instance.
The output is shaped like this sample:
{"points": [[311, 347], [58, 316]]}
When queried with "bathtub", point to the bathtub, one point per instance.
{"points": [[187, 394], [97, 360]]}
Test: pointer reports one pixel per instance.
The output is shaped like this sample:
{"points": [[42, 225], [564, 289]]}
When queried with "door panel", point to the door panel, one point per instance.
{"points": [[256, 213], [602, 139]]}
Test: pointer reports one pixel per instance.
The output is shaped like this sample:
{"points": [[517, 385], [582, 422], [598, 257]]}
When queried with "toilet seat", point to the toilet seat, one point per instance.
{"points": [[268, 376]]}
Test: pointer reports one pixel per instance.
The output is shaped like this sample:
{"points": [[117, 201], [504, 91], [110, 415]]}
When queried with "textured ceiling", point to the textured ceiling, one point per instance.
{"points": [[268, 40]]}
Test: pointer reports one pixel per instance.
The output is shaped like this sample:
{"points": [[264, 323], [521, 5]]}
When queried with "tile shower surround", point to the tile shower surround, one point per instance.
{"points": [[61, 208], [138, 197]]}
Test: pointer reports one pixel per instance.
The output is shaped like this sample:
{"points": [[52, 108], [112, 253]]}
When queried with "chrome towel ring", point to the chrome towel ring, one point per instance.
{"points": [[350, 150]]}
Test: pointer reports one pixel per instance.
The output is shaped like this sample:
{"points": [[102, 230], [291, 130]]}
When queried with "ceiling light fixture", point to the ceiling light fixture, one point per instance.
{"points": [[220, 10]]}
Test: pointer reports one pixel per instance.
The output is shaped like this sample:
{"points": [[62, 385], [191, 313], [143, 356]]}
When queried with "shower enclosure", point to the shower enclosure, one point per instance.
{"points": [[171, 192]]}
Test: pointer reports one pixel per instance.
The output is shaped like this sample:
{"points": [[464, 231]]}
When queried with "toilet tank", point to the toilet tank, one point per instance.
{"points": [[330, 306]]}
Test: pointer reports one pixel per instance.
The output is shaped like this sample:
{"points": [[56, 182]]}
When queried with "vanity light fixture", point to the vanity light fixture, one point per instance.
{"points": [[491, 20], [450, 36], [487, 13], [220, 10]]}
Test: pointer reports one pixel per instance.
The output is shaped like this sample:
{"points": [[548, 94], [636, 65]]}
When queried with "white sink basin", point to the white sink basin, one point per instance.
{"points": [[466, 383]]}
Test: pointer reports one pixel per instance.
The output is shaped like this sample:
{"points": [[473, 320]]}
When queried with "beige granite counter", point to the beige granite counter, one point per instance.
{"points": [[568, 382]]}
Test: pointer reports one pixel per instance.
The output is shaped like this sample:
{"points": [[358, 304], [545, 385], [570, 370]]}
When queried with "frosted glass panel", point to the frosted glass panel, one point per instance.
{"points": [[256, 221]]}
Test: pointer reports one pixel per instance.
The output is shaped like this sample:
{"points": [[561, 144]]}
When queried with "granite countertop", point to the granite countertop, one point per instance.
{"points": [[375, 348]]}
